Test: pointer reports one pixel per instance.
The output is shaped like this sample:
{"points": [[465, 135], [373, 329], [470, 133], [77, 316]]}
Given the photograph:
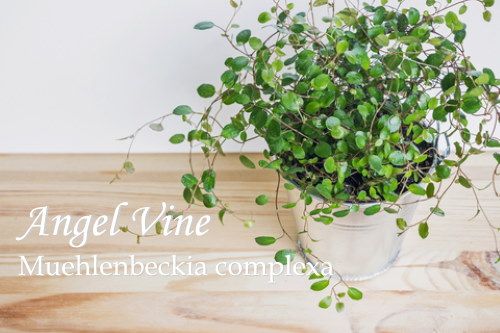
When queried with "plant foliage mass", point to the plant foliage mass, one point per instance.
{"points": [[351, 106]]}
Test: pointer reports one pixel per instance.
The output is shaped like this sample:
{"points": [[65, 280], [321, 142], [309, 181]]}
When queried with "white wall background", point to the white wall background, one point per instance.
{"points": [[77, 74]]}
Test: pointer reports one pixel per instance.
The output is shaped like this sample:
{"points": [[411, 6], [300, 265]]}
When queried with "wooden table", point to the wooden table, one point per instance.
{"points": [[446, 283]]}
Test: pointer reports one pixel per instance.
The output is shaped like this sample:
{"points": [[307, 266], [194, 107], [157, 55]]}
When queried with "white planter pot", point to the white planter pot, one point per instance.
{"points": [[357, 246]]}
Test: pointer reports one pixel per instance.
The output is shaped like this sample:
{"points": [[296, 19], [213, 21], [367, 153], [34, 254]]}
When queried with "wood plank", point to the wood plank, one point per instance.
{"points": [[447, 283]]}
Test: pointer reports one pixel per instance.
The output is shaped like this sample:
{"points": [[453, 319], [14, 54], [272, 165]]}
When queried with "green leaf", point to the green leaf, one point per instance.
{"points": [[413, 16], [128, 167], [264, 17], [326, 302], [375, 162], [375, 31], [332, 122], [492, 143], [435, 59], [291, 101], [382, 40], [416, 189], [323, 150], [397, 158], [285, 256], [439, 113], [338, 132], [208, 179], [487, 15], [471, 105], [326, 220], [197, 194], [230, 131], [318, 3], [489, 3], [342, 46], [354, 293], [420, 158], [228, 78], [177, 138], [255, 43], [392, 61], [448, 81], [261, 200], [209, 200], [243, 37], [391, 210], [274, 130], [433, 103], [320, 285], [221, 215], [239, 63], [187, 195], [410, 67], [437, 211], [258, 118], [247, 162], [443, 171], [206, 90], [182, 110], [401, 223], [354, 78], [289, 205], [297, 28], [320, 82], [339, 307], [393, 124], [423, 230], [452, 21], [377, 71], [497, 157], [204, 25], [464, 182], [265, 240], [372, 210], [475, 92], [360, 139], [342, 213], [483, 79], [267, 75], [158, 228], [189, 181], [429, 191], [298, 152], [158, 127], [312, 107], [315, 276], [329, 164]]}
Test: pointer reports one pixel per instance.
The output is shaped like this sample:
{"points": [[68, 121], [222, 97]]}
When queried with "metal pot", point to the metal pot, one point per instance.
{"points": [[357, 246]]}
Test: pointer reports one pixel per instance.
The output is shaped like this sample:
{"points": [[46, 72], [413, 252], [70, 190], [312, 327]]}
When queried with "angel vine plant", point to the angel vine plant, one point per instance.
{"points": [[351, 108]]}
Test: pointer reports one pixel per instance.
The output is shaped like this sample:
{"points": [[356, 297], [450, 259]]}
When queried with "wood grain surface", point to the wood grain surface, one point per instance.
{"points": [[446, 283]]}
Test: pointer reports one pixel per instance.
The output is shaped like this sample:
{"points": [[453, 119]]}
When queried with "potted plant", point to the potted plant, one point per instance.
{"points": [[355, 108]]}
